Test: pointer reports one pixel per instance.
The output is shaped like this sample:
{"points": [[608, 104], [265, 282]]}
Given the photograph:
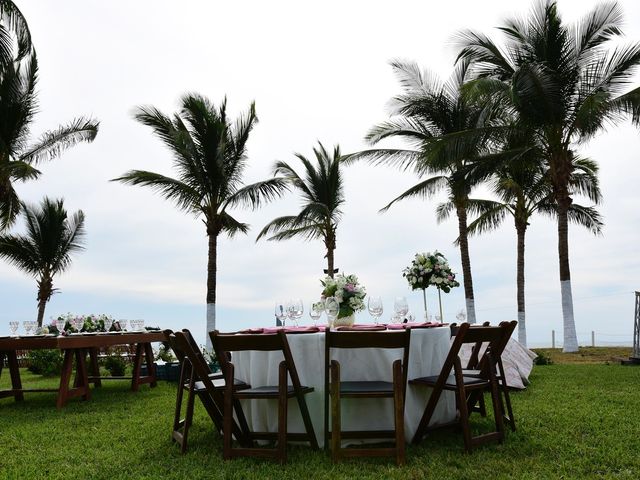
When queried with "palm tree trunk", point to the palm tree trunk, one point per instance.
{"points": [[522, 329], [466, 264], [330, 262], [45, 289], [212, 270], [569, 324]]}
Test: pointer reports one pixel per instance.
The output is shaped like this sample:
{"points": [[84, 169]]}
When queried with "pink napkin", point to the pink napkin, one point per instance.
{"points": [[423, 325], [271, 329], [395, 326], [252, 330], [309, 329], [362, 328]]}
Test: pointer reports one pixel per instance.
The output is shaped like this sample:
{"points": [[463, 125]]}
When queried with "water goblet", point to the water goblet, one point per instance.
{"points": [[26, 324], [438, 319], [281, 313], [60, 324], [141, 324], [315, 312], [400, 307], [108, 322], [461, 316], [13, 326], [375, 308], [332, 307], [123, 325], [297, 308]]}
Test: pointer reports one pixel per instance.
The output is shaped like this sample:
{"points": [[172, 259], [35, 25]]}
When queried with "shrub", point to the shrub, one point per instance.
{"points": [[45, 362], [116, 365], [542, 359], [165, 354]]}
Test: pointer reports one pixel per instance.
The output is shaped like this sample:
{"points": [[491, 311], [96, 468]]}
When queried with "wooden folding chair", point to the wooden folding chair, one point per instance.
{"points": [[464, 386], [337, 389], [474, 369], [223, 345], [197, 379]]}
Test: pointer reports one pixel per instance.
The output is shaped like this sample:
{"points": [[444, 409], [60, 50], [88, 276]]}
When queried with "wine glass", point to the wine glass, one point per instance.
{"points": [[26, 324], [108, 322], [315, 312], [13, 326], [461, 316], [123, 325], [297, 309], [60, 323], [332, 307], [281, 312], [375, 308], [400, 307], [438, 319]]}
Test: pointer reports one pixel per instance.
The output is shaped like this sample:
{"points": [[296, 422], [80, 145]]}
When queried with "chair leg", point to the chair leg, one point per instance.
{"points": [[188, 418], [335, 411], [464, 416], [282, 413], [497, 410], [398, 406], [510, 419], [227, 415], [436, 392]]}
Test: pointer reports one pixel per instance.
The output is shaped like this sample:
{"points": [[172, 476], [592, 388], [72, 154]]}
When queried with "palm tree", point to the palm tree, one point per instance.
{"points": [[45, 249], [565, 83], [322, 194], [18, 106], [523, 189], [210, 157], [448, 132]]}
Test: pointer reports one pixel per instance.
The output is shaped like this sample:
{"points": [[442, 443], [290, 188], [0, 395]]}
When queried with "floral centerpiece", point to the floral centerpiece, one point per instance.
{"points": [[80, 323], [428, 269], [349, 294]]}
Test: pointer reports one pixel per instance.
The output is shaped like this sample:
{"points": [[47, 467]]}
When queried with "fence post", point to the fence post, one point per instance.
{"points": [[593, 338], [553, 339]]}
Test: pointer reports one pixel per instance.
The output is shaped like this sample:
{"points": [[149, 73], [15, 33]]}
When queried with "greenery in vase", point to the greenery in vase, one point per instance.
{"points": [[430, 269], [348, 292]]}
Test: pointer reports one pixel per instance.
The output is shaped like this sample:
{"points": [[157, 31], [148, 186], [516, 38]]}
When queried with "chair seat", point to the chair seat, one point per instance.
{"points": [[270, 391], [366, 389], [218, 383], [450, 384]]}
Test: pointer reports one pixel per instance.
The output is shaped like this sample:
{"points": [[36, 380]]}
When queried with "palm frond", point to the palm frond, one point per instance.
{"points": [[256, 194], [231, 226], [54, 142], [424, 189]]}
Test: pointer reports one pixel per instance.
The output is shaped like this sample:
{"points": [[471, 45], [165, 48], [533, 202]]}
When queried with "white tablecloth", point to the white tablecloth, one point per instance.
{"points": [[428, 350]]}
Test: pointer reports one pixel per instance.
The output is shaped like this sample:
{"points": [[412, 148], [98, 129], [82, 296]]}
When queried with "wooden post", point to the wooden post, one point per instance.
{"points": [[593, 338], [553, 339]]}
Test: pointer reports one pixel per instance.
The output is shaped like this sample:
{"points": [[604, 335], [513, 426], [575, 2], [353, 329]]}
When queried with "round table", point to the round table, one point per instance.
{"points": [[428, 350]]}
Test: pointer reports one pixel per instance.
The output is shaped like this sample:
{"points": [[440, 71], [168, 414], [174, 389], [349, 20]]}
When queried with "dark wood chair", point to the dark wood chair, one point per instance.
{"points": [[223, 345], [464, 386], [196, 379], [474, 369], [337, 389]]}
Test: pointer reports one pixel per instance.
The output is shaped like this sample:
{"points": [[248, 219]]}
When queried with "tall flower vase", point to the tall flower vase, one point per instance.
{"points": [[440, 302], [424, 299]]}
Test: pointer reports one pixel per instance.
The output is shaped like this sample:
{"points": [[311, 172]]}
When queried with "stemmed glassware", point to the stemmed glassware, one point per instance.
{"points": [[332, 307], [13, 326], [60, 324], [296, 310], [461, 316], [123, 325], [108, 322], [400, 308], [315, 312], [28, 325], [438, 319], [281, 312], [375, 308]]}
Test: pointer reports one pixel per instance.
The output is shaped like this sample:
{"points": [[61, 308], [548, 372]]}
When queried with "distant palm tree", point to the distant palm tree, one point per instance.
{"points": [[45, 249], [566, 83], [523, 189], [321, 188], [448, 132], [210, 157], [18, 106]]}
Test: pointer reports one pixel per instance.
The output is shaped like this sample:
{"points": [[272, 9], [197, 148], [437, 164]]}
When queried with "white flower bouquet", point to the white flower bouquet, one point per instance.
{"points": [[428, 269], [347, 291]]}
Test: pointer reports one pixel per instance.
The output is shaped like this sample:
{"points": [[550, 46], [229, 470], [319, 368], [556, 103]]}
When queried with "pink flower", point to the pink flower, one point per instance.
{"points": [[450, 277], [350, 287]]}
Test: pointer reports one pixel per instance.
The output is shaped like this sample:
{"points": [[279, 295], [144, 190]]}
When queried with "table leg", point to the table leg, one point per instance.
{"points": [[65, 376], [137, 361], [151, 368], [14, 371], [95, 368], [2, 356], [82, 378]]}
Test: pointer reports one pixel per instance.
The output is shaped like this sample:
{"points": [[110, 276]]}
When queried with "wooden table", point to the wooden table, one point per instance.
{"points": [[76, 347]]}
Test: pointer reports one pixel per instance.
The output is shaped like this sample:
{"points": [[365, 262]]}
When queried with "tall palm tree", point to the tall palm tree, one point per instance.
{"points": [[566, 83], [210, 158], [322, 192], [523, 189], [448, 132], [19, 155], [45, 249]]}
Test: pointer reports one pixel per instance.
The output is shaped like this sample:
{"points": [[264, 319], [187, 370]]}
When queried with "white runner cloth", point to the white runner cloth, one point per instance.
{"points": [[428, 350]]}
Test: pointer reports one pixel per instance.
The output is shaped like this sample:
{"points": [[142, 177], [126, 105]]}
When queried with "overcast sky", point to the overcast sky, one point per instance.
{"points": [[316, 72]]}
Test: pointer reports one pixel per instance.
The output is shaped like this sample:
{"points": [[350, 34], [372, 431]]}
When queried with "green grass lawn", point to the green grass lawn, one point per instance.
{"points": [[574, 421]]}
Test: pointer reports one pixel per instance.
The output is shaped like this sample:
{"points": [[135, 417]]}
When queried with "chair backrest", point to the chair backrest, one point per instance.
{"points": [[475, 334], [200, 367], [382, 339], [474, 358], [225, 343]]}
